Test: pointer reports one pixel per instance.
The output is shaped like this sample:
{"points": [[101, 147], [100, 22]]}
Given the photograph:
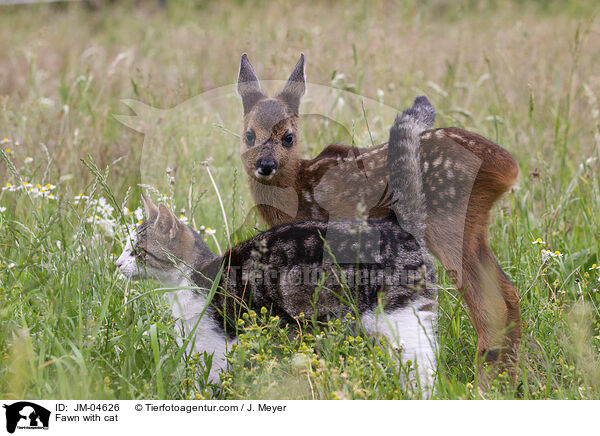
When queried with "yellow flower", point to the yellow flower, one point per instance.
{"points": [[8, 185], [557, 253], [8, 150], [38, 186]]}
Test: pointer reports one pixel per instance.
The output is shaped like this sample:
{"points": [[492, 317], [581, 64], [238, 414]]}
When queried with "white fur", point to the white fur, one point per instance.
{"points": [[412, 331], [261, 177], [126, 262], [186, 306]]}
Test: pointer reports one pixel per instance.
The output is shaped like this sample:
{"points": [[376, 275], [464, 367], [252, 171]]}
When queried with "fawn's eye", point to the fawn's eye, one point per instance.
{"points": [[288, 139], [250, 137]]}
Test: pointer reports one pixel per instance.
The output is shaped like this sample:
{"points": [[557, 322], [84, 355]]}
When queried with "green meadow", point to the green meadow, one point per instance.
{"points": [[101, 103]]}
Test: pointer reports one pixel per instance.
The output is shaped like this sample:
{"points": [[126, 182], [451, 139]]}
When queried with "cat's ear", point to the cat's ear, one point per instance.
{"points": [[295, 87], [248, 84], [151, 209], [166, 221]]}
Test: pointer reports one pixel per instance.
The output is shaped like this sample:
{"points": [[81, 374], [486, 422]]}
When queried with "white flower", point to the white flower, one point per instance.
{"points": [[4, 141], [594, 266], [107, 226], [11, 188], [28, 159], [539, 241], [183, 219], [2, 209], [80, 197], [210, 231], [139, 214], [105, 208], [11, 265], [547, 254]]}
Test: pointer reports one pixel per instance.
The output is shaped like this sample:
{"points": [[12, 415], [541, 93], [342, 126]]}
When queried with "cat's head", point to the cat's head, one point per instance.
{"points": [[160, 248]]}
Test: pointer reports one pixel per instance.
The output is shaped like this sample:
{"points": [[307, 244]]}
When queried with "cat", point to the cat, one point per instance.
{"points": [[391, 284]]}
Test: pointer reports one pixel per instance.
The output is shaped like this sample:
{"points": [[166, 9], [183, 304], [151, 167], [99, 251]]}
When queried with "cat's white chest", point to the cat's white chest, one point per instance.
{"points": [[187, 309]]}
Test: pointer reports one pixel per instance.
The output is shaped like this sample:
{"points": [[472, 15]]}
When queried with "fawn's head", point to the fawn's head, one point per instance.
{"points": [[271, 124]]}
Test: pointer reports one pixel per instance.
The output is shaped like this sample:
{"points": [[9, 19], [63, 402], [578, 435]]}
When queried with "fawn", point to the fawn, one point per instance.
{"points": [[463, 173]]}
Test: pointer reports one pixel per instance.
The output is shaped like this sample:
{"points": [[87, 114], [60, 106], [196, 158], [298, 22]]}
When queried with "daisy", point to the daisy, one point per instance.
{"points": [[547, 254], [11, 188], [139, 214], [80, 197]]}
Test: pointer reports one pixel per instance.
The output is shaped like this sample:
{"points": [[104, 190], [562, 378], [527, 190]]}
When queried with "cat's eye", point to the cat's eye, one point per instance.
{"points": [[138, 251], [250, 137], [288, 139]]}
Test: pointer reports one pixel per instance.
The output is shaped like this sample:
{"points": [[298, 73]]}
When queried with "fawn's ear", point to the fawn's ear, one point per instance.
{"points": [[166, 221], [248, 84], [151, 209], [295, 87]]}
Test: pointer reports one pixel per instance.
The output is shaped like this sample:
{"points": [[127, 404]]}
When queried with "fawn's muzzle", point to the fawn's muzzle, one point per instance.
{"points": [[266, 167]]}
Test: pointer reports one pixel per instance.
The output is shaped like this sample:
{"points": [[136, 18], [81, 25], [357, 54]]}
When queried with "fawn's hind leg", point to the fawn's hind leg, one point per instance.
{"points": [[494, 307], [464, 176]]}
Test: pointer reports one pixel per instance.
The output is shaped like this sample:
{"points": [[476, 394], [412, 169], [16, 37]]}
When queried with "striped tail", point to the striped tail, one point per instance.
{"points": [[404, 165]]}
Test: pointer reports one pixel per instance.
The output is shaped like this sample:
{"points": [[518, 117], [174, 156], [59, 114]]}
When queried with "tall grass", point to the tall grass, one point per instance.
{"points": [[524, 75]]}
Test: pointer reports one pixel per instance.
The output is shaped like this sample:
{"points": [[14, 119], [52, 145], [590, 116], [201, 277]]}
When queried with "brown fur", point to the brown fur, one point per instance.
{"points": [[457, 237]]}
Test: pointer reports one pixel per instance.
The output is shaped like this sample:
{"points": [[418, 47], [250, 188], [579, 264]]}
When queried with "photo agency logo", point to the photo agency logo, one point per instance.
{"points": [[213, 146], [25, 415]]}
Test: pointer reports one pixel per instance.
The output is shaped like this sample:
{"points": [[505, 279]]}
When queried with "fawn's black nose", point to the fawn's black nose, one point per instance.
{"points": [[266, 167]]}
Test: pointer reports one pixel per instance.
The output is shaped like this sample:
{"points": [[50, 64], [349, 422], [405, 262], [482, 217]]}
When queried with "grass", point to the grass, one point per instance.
{"points": [[523, 75]]}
